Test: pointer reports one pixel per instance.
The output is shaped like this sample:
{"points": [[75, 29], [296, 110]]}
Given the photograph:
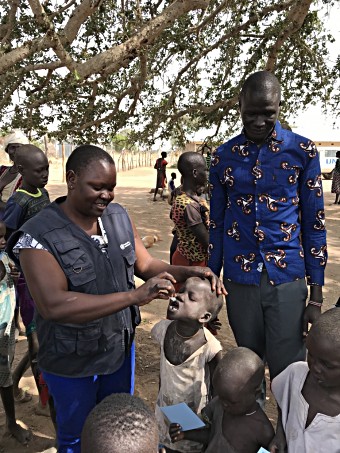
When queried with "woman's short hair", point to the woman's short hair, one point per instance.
{"points": [[84, 155]]}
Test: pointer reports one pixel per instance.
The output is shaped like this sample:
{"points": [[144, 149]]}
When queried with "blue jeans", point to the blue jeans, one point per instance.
{"points": [[74, 398]]}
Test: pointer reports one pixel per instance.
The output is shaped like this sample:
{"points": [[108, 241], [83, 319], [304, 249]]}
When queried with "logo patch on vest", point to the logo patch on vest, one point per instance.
{"points": [[123, 246]]}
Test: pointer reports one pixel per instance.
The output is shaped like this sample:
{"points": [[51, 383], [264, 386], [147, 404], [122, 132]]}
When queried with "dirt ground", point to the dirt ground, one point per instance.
{"points": [[150, 217]]}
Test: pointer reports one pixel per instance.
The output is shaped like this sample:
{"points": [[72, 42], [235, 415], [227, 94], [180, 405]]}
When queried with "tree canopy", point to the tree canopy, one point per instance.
{"points": [[160, 68]]}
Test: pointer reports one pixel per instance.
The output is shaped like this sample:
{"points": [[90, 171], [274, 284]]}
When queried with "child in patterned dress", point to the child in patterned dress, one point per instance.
{"points": [[189, 354], [189, 214]]}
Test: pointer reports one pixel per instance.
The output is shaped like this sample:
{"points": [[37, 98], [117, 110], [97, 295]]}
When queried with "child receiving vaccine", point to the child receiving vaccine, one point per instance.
{"points": [[308, 393], [189, 354], [235, 423]]}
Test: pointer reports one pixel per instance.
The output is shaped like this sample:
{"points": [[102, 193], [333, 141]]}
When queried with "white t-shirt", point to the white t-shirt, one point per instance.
{"points": [[323, 434]]}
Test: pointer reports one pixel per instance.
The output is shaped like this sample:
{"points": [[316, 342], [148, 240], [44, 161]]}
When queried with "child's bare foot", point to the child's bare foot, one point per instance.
{"points": [[21, 434]]}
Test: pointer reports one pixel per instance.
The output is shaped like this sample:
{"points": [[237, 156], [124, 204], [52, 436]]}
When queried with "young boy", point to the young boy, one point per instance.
{"points": [[121, 423], [171, 187], [26, 202], [308, 394], [190, 216], [189, 354], [235, 421], [7, 340]]}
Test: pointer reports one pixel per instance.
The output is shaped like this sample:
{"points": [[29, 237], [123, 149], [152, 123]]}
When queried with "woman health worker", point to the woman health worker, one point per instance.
{"points": [[79, 256]]}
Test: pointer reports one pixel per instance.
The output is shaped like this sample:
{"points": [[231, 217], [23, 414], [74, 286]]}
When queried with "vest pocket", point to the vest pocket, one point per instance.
{"points": [[76, 264], [129, 256], [88, 340], [73, 340], [65, 339]]}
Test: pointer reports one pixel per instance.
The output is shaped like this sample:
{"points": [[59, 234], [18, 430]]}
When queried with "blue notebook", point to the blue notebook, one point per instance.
{"points": [[183, 415]]}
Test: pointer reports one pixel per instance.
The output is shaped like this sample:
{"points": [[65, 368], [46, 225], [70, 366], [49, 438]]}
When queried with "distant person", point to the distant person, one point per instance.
{"points": [[308, 394], [189, 213], [23, 205], [267, 228], [160, 166], [10, 177], [336, 179], [7, 340], [86, 299], [172, 187], [189, 354], [121, 423], [234, 420]]}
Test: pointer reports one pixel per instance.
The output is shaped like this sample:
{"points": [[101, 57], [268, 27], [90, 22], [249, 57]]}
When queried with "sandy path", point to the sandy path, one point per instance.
{"points": [[149, 217]]}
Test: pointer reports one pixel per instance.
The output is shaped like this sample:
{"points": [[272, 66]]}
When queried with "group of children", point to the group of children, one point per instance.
{"points": [[25, 202], [223, 390]]}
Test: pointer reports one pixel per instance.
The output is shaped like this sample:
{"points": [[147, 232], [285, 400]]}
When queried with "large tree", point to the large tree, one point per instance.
{"points": [[88, 68]]}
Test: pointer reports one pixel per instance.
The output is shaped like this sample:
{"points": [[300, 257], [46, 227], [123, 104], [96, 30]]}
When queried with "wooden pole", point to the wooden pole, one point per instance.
{"points": [[63, 159]]}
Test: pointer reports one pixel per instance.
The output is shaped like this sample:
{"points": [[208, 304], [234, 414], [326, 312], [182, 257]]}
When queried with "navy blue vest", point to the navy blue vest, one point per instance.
{"points": [[100, 346]]}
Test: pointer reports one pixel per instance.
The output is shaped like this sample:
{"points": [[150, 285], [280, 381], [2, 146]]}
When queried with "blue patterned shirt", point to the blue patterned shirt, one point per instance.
{"points": [[267, 209]]}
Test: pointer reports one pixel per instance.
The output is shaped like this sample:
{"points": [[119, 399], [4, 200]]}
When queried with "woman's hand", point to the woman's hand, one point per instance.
{"points": [[159, 287], [206, 272]]}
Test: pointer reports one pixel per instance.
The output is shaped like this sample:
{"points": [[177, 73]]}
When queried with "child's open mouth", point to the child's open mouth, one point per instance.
{"points": [[173, 305]]}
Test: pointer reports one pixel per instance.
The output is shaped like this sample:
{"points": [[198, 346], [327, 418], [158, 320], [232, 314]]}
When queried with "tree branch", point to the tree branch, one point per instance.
{"points": [[292, 24], [120, 56]]}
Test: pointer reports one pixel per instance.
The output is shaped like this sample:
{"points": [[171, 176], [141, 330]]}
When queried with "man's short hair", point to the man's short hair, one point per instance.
{"points": [[259, 80], [121, 423], [84, 155], [187, 161]]}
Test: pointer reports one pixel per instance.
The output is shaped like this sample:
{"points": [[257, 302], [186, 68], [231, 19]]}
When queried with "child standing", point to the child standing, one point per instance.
{"points": [[235, 421], [308, 394], [189, 354], [172, 188], [189, 214], [25, 203], [336, 179], [7, 340]]}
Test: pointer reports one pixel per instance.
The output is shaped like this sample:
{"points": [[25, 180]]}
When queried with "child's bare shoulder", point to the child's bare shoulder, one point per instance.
{"points": [[159, 329], [264, 429]]}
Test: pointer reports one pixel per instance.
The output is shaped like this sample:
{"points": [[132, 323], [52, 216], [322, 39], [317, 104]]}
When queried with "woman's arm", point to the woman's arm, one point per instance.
{"points": [[48, 286], [146, 267]]}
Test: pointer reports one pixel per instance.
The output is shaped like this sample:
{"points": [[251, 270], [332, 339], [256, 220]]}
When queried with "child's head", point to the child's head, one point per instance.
{"points": [[164, 154], [237, 380], [195, 301], [121, 423], [173, 175], [33, 166], [192, 167], [323, 344], [2, 235]]}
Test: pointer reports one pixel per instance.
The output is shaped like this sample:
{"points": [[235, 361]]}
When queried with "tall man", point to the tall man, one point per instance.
{"points": [[267, 227]]}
